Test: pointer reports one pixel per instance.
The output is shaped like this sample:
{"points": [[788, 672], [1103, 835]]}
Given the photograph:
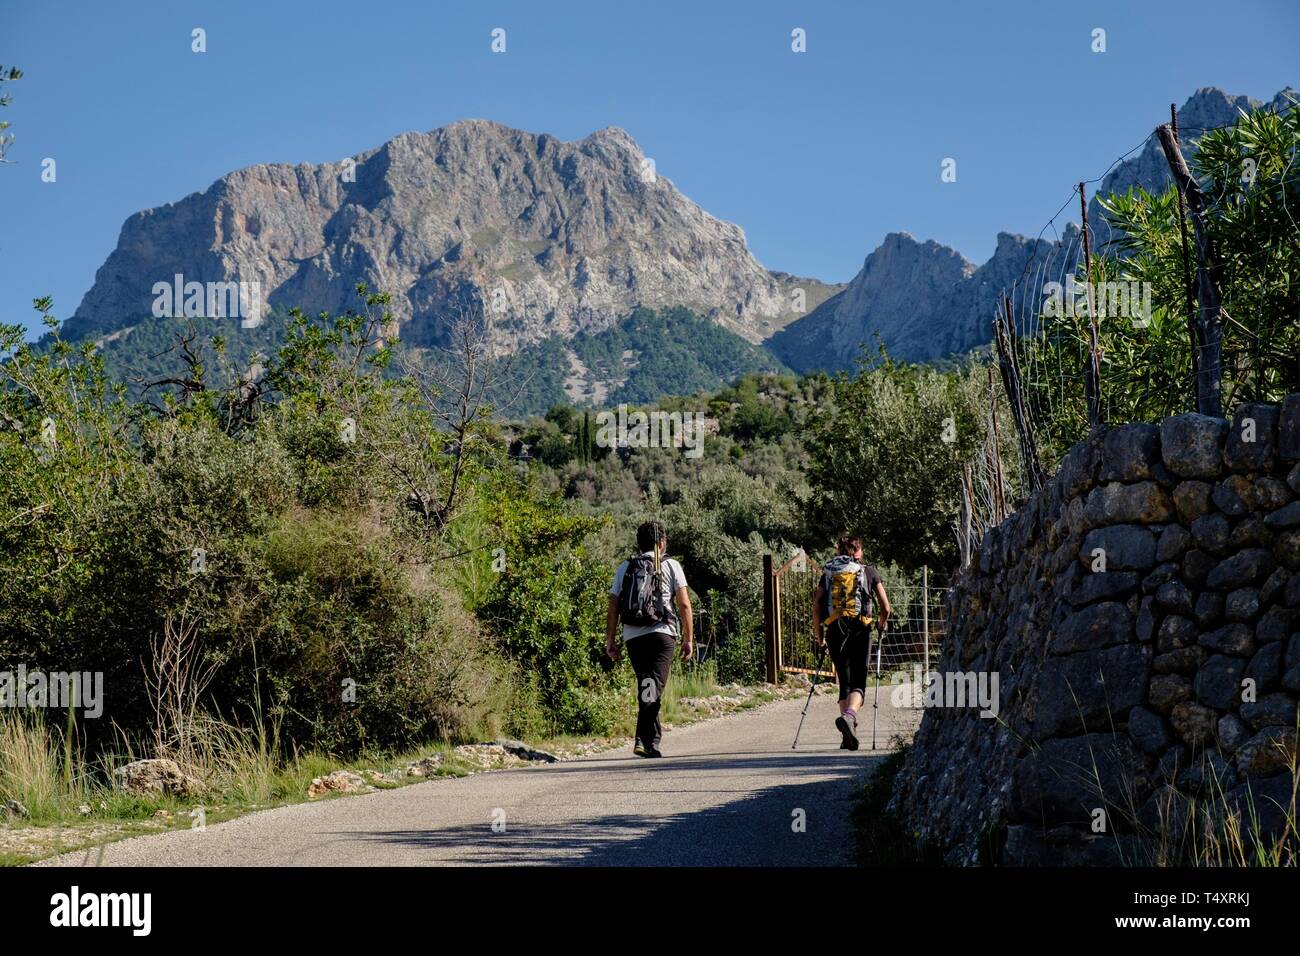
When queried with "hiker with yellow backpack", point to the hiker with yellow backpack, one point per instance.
{"points": [[842, 620]]}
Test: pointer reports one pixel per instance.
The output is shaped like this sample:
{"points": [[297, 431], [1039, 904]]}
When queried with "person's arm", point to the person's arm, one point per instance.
{"points": [[819, 600], [685, 617], [883, 599], [611, 628], [688, 624]]}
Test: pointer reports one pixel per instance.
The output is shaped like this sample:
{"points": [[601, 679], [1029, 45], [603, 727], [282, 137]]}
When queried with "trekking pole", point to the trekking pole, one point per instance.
{"points": [[817, 666], [875, 703]]}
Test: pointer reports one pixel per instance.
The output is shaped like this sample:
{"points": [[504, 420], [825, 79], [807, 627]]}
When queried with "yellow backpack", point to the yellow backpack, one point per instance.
{"points": [[845, 595]]}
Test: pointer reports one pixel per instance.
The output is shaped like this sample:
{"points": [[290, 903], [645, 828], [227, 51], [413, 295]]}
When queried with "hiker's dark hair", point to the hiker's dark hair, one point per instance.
{"points": [[849, 543], [649, 535]]}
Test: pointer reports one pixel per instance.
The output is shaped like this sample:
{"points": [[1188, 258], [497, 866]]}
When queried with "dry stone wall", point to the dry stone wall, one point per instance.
{"points": [[1142, 615]]}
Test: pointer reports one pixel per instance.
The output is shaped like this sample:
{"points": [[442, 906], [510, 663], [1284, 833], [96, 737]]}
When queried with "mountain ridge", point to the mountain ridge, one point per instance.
{"points": [[561, 238], [908, 297], [557, 237]]}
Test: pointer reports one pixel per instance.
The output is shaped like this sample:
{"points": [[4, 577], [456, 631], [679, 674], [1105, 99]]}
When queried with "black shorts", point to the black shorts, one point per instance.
{"points": [[849, 641]]}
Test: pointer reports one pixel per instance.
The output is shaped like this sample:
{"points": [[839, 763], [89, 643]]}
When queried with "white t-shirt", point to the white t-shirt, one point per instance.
{"points": [[672, 578]]}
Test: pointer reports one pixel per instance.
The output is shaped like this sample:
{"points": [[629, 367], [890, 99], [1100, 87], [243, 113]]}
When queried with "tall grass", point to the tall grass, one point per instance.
{"points": [[1215, 830], [39, 768], [54, 781], [1211, 829], [691, 679]]}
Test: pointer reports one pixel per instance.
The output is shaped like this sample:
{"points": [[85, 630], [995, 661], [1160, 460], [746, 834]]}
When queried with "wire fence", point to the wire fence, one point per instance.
{"points": [[916, 626], [799, 652]]}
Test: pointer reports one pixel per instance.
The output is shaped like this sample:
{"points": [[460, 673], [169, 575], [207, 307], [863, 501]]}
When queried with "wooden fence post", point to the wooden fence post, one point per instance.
{"points": [[771, 627], [1209, 372], [1192, 333], [925, 616], [995, 457], [1092, 374], [1016, 398], [967, 515]]}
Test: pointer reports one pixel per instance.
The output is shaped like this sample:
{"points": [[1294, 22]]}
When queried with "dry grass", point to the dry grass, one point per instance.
{"points": [[1208, 830]]}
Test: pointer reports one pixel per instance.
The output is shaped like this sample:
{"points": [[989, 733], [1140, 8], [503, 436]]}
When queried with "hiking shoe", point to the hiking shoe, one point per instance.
{"points": [[850, 741], [639, 749], [645, 750]]}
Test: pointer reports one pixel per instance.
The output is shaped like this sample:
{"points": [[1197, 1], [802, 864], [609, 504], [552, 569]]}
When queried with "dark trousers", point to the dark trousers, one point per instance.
{"points": [[850, 646], [651, 656]]}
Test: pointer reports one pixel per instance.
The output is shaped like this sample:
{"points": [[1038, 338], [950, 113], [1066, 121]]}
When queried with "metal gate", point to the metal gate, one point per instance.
{"points": [[787, 617]]}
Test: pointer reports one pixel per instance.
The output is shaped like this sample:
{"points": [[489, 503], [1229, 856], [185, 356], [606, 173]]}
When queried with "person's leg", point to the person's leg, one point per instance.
{"points": [[638, 655], [838, 638], [651, 656], [857, 644], [858, 652], [835, 650], [844, 646], [662, 665]]}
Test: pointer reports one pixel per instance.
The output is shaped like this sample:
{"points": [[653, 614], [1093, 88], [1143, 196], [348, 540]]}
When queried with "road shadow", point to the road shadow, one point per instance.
{"points": [[792, 763], [795, 823]]}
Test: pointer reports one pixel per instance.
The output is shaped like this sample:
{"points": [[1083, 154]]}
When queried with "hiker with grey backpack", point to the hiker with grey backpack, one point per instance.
{"points": [[842, 619], [650, 600]]}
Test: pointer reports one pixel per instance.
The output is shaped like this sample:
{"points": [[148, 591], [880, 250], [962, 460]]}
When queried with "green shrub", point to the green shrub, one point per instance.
{"points": [[547, 609]]}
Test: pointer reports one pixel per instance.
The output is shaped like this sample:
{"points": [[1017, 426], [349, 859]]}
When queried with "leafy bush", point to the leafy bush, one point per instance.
{"points": [[547, 609], [295, 532], [346, 652]]}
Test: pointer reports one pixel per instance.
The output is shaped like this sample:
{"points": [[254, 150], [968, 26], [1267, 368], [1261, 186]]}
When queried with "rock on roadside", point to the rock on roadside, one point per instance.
{"points": [[340, 781], [155, 777]]}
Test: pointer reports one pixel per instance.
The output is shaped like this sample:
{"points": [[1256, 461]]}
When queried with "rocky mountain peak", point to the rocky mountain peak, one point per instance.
{"points": [[554, 237]]}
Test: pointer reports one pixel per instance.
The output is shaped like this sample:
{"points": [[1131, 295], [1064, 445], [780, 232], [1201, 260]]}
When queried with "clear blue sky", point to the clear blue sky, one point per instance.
{"points": [[817, 156]]}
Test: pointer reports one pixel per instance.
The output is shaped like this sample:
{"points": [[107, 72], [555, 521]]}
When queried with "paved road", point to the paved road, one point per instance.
{"points": [[725, 794]]}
